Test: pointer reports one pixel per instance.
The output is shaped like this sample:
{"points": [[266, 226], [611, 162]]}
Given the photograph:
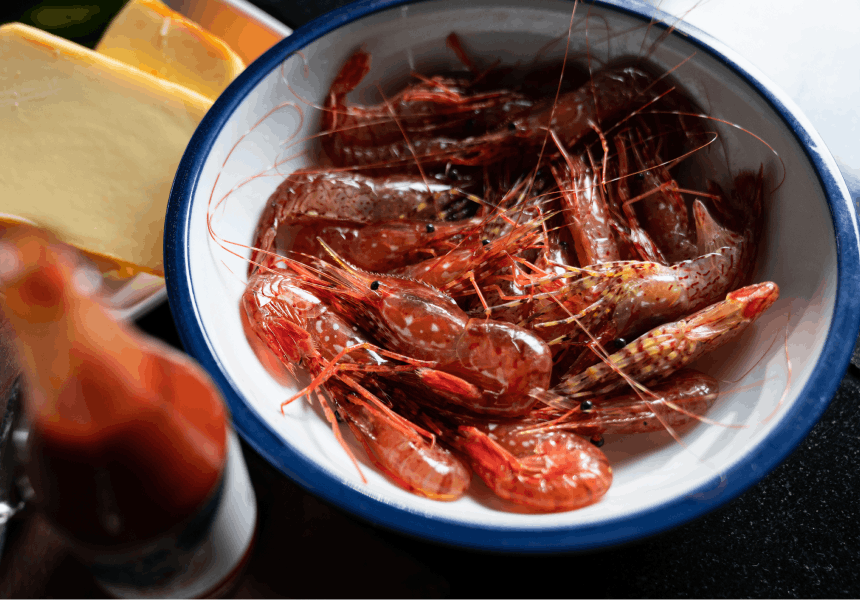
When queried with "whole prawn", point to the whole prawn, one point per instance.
{"points": [[667, 348], [381, 247], [677, 402], [308, 196], [300, 329], [508, 364], [426, 469], [549, 471], [435, 111], [664, 211], [586, 212]]}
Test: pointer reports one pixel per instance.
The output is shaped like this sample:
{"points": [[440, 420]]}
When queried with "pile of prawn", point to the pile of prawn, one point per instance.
{"points": [[486, 278]]}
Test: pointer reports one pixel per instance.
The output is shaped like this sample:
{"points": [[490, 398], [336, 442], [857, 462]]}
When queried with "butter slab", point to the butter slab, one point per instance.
{"points": [[89, 145]]}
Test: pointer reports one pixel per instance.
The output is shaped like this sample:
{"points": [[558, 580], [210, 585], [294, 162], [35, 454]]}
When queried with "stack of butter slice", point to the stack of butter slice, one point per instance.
{"points": [[89, 144], [150, 36]]}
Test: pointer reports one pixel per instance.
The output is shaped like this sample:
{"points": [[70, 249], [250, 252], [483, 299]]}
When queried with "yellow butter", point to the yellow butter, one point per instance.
{"points": [[89, 146], [150, 36], [248, 37]]}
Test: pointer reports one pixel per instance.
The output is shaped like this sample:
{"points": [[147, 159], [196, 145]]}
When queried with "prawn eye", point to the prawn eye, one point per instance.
{"points": [[640, 176], [485, 242], [430, 228], [586, 405], [512, 126], [619, 343], [597, 440], [374, 286]]}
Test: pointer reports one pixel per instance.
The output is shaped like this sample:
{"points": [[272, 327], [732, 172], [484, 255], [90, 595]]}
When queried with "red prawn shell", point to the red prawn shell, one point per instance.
{"points": [[509, 363], [415, 464], [551, 471]]}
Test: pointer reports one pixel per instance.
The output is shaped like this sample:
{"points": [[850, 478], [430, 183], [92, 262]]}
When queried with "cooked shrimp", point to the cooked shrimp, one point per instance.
{"points": [[300, 329], [308, 196], [414, 463], [508, 364], [549, 471], [667, 348], [431, 114], [680, 401]]}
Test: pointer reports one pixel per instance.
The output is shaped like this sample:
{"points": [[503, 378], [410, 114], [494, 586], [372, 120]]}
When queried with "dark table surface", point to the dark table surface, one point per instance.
{"points": [[796, 533]]}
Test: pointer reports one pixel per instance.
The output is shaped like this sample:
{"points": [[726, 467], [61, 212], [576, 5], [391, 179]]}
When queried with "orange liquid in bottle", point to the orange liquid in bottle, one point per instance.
{"points": [[129, 438]]}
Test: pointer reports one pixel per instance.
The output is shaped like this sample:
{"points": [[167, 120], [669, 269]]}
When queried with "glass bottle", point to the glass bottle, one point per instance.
{"points": [[131, 454]]}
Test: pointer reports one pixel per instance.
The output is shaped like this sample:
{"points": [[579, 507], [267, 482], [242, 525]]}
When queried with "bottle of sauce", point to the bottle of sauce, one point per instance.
{"points": [[132, 456]]}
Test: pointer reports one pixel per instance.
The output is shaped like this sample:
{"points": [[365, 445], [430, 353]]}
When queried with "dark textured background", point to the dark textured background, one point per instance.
{"points": [[795, 534]]}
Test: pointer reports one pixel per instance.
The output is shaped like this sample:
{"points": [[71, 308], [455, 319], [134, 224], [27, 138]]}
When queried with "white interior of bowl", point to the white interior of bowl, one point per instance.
{"points": [[797, 251]]}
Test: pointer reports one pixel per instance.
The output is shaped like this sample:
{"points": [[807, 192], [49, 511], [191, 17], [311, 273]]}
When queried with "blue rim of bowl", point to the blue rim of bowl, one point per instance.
{"points": [[813, 399]]}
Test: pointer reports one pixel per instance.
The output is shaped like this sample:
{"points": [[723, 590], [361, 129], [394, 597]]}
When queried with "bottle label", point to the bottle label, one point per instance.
{"points": [[203, 557]]}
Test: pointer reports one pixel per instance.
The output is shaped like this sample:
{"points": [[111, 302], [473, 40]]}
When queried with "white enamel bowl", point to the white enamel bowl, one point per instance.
{"points": [[782, 374]]}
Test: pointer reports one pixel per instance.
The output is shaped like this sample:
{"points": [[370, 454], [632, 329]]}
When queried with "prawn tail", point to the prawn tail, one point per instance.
{"points": [[488, 458], [544, 471], [350, 75]]}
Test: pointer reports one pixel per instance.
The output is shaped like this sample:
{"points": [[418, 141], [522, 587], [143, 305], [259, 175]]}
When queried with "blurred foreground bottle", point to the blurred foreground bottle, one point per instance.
{"points": [[131, 453]]}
